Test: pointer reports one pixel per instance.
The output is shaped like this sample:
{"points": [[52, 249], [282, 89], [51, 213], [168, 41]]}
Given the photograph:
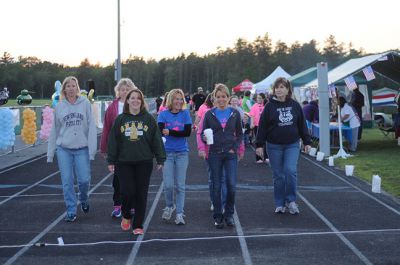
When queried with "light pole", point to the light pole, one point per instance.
{"points": [[118, 61]]}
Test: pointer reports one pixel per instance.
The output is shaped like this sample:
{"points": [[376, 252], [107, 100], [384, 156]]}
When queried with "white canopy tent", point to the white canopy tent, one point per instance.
{"points": [[265, 85]]}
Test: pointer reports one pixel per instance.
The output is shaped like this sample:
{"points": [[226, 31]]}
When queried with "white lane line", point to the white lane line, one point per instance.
{"points": [[28, 188], [338, 233], [135, 249], [48, 228], [355, 187], [20, 165], [242, 240]]}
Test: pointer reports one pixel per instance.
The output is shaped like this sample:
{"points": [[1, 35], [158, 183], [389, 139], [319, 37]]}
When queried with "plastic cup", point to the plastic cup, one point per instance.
{"points": [[164, 139], [320, 156], [209, 136], [349, 170], [313, 151], [331, 162]]}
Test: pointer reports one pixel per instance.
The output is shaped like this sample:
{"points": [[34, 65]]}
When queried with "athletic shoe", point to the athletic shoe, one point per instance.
{"points": [[138, 231], [168, 212], [280, 209], [229, 221], [267, 160], [293, 208], [116, 213], [70, 217], [218, 223], [85, 207], [179, 219], [125, 224], [259, 161]]}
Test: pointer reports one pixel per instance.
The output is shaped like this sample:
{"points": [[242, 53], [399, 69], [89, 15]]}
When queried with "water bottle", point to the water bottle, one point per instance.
{"points": [[376, 184]]}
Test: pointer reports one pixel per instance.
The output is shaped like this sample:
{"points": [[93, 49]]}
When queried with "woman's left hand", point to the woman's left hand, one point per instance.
{"points": [[240, 156], [159, 167], [165, 132], [307, 149]]}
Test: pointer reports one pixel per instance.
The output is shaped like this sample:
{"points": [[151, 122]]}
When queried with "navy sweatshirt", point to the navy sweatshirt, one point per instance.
{"points": [[282, 123]]}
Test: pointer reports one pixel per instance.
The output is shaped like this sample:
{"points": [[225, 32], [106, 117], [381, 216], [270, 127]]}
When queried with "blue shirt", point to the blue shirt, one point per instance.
{"points": [[175, 122], [223, 115]]}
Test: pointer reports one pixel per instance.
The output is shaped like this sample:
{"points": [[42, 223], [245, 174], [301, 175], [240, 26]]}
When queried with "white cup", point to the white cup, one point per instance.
{"points": [[320, 156], [349, 170], [313, 151], [376, 184], [164, 139], [209, 136], [331, 162]]}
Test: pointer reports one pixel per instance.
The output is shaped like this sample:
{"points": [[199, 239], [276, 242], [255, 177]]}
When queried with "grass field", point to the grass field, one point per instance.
{"points": [[35, 102], [376, 155]]}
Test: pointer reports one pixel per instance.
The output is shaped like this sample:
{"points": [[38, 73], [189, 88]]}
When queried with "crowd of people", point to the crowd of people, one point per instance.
{"points": [[132, 138]]}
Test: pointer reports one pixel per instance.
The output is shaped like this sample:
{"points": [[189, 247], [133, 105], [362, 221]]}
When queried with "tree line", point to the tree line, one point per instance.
{"points": [[253, 60]]}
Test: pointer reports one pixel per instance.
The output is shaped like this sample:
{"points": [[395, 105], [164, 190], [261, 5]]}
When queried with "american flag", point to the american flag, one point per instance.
{"points": [[369, 73], [350, 82]]}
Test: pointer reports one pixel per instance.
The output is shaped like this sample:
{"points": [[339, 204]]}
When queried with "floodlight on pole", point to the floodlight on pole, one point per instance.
{"points": [[118, 69]]}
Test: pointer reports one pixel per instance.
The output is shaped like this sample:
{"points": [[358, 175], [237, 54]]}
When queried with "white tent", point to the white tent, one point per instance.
{"points": [[265, 85]]}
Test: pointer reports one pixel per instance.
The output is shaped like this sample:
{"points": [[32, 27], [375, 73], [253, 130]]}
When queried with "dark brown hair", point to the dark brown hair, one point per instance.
{"points": [[285, 83], [143, 105]]}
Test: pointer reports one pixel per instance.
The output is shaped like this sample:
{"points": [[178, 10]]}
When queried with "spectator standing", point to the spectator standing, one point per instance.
{"points": [[311, 111], [348, 114], [247, 102], [357, 101], [198, 98]]}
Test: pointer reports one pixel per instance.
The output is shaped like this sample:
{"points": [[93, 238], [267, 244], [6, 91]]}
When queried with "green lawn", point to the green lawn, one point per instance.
{"points": [[35, 102], [376, 155]]}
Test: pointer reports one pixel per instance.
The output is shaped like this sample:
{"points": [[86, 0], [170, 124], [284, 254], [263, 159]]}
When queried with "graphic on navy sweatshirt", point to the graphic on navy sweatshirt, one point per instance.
{"points": [[285, 116]]}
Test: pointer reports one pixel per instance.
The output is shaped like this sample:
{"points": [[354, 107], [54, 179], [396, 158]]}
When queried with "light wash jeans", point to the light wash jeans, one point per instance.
{"points": [[283, 159], [174, 172], [74, 162], [220, 163]]}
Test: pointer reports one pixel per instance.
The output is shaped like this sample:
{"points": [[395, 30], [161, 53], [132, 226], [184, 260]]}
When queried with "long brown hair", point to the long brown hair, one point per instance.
{"points": [[285, 83], [143, 104]]}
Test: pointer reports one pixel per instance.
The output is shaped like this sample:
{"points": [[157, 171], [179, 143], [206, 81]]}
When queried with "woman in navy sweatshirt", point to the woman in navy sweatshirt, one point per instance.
{"points": [[282, 125]]}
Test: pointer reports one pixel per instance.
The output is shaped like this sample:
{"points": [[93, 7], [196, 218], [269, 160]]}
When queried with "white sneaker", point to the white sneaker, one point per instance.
{"points": [[167, 214], [293, 208], [179, 219], [280, 209]]}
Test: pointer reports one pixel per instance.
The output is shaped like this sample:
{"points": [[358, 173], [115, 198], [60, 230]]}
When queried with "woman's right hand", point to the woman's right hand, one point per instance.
{"points": [[202, 154], [111, 168], [260, 152]]}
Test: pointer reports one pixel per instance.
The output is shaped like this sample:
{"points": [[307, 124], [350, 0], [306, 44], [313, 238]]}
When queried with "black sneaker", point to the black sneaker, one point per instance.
{"points": [[229, 221], [85, 207], [219, 224], [70, 218]]}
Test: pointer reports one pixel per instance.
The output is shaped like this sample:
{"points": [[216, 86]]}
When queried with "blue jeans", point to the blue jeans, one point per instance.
{"points": [[174, 170], [283, 159], [220, 162], [223, 186], [74, 162]]}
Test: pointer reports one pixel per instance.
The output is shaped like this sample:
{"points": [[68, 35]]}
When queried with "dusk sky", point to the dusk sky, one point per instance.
{"points": [[67, 31]]}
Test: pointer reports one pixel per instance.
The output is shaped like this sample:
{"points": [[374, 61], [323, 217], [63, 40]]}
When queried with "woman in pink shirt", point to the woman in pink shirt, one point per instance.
{"points": [[208, 104], [255, 113]]}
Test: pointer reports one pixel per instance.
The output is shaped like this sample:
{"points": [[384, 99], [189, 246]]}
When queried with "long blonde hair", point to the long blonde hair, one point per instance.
{"points": [[64, 84], [171, 95]]}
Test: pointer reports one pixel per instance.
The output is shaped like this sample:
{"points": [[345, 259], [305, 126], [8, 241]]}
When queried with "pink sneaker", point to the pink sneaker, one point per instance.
{"points": [[125, 224], [138, 231]]}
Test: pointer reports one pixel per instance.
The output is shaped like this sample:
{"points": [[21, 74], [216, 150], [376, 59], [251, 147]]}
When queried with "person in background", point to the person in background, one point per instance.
{"points": [[188, 101], [74, 138], [133, 142], [311, 111], [175, 125], [198, 98], [282, 125], [234, 103], [208, 104], [163, 103], [348, 114], [247, 102], [255, 113], [224, 154], [121, 90], [248, 127], [357, 101], [158, 101]]}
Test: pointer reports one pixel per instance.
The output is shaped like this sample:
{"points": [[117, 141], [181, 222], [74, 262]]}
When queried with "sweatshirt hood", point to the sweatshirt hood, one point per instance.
{"points": [[78, 101]]}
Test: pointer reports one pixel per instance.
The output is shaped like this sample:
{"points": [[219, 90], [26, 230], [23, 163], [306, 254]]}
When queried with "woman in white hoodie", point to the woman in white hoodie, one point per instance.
{"points": [[73, 137]]}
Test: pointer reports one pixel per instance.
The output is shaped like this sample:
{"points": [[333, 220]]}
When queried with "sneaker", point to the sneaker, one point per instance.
{"points": [[212, 207], [116, 213], [125, 224], [168, 212], [293, 208], [280, 209], [70, 217], [179, 219], [138, 231], [218, 223], [259, 161], [229, 221], [85, 207]]}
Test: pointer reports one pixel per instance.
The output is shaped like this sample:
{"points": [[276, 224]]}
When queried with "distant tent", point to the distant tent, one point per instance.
{"points": [[302, 78], [243, 86], [265, 85]]}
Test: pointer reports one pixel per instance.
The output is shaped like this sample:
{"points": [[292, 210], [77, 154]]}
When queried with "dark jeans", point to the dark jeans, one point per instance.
{"points": [[359, 113], [117, 192], [134, 180], [220, 163]]}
